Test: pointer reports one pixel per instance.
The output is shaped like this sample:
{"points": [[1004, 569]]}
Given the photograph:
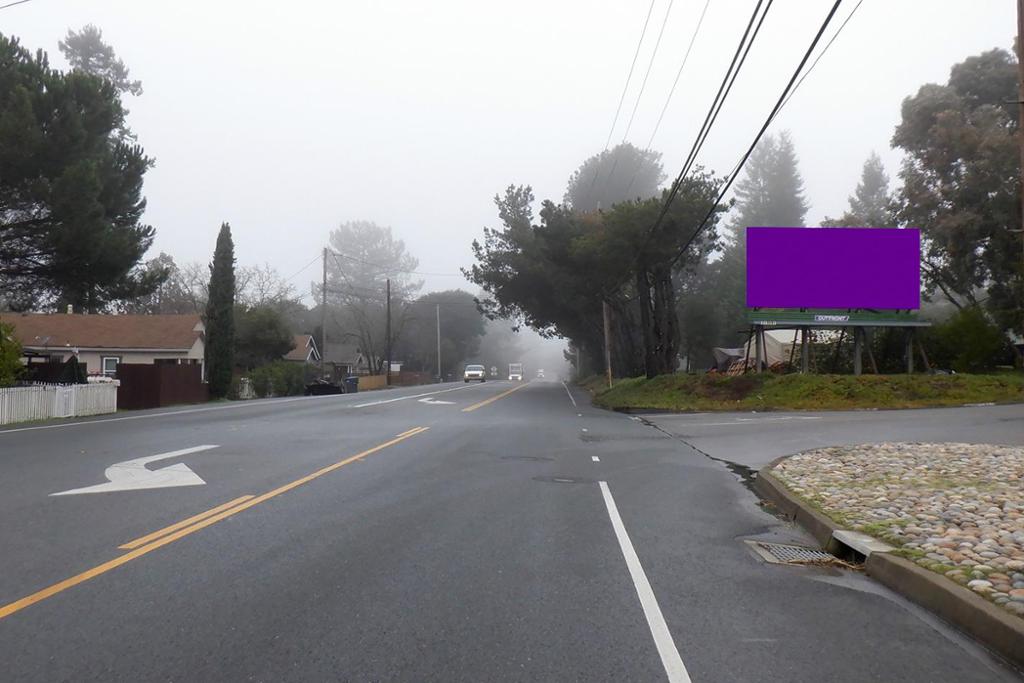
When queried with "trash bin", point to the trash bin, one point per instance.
{"points": [[351, 385]]}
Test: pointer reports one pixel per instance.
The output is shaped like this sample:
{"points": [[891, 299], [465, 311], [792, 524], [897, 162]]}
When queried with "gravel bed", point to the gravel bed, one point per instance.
{"points": [[957, 509]]}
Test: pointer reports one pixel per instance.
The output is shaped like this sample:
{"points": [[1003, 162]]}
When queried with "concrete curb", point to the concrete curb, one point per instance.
{"points": [[775, 492], [997, 629]]}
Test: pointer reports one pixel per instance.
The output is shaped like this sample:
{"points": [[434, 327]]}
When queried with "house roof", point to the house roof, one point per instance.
{"points": [[304, 349], [54, 330], [341, 353]]}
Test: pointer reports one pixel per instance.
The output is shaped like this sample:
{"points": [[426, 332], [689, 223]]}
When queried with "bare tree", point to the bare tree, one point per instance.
{"points": [[363, 257]]}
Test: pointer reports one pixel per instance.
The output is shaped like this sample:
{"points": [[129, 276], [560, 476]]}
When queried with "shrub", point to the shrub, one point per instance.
{"points": [[10, 356], [967, 342], [279, 378]]}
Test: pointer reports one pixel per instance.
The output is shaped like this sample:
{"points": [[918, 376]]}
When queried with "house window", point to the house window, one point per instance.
{"points": [[110, 365]]}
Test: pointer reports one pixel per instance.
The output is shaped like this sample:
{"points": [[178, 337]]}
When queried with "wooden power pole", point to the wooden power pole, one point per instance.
{"points": [[387, 332], [323, 317], [1020, 119], [606, 313]]}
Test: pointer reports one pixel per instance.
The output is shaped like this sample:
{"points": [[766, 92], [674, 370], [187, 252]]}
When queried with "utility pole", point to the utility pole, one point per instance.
{"points": [[387, 333], [439, 375], [323, 317], [606, 312], [1020, 118]]}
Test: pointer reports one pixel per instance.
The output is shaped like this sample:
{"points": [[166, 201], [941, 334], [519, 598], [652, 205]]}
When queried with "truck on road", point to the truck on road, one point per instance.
{"points": [[515, 372]]}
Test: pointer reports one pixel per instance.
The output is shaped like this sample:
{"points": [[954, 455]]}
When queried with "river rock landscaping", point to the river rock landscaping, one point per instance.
{"points": [[957, 509]]}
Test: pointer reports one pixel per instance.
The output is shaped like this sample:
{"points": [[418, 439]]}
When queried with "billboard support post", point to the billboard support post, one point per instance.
{"points": [[924, 357], [869, 336], [805, 351], [858, 350], [865, 278], [910, 351], [758, 347]]}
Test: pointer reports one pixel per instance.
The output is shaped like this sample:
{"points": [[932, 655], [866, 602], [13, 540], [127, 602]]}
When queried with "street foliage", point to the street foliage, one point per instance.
{"points": [[220, 316], [764, 392], [10, 356], [71, 202]]}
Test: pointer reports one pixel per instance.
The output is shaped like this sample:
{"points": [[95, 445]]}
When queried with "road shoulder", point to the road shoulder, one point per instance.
{"points": [[1000, 631]]}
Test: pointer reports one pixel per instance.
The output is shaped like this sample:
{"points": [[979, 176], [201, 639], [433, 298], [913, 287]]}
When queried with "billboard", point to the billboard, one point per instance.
{"points": [[833, 268]]}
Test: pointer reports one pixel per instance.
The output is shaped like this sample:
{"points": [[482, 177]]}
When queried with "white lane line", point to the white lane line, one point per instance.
{"points": [[239, 404], [595, 458], [744, 421], [406, 398], [233, 406], [570, 394], [670, 659]]}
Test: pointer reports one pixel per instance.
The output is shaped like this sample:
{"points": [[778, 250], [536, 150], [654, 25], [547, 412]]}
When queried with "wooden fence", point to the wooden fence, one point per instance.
{"points": [[155, 386], [43, 402]]}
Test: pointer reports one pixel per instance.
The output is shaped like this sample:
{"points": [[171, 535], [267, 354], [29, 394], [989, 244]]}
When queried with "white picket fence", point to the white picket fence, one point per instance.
{"points": [[45, 401]]}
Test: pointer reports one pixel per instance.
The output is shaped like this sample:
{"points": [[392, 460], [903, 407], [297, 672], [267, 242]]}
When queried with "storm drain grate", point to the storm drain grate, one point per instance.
{"points": [[779, 553]]}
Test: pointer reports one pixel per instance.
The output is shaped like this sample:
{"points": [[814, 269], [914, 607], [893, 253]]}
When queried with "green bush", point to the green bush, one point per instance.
{"points": [[279, 378], [10, 356], [967, 342], [808, 392]]}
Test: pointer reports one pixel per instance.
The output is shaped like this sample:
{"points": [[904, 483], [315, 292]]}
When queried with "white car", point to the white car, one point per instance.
{"points": [[540, 374], [477, 373]]}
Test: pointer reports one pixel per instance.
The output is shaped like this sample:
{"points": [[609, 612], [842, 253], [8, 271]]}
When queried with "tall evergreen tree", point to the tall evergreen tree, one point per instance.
{"points": [[772, 191], [71, 200], [220, 315], [770, 194], [870, 202], [622, 173], [86, 51]]}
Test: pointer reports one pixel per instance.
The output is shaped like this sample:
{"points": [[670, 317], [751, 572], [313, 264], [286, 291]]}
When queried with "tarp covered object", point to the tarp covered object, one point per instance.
{"points": [[775, 351]]}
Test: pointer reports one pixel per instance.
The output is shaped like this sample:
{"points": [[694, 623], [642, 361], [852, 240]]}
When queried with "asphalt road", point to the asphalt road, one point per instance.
{"points": [[755, 439], [479, 533]]}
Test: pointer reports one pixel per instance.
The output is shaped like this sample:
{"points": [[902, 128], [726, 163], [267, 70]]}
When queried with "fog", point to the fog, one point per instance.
{"points": [[287, 118]]}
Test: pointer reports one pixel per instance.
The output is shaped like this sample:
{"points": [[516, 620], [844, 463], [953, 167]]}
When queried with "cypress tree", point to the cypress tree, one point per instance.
{"points": [[220, 316]]}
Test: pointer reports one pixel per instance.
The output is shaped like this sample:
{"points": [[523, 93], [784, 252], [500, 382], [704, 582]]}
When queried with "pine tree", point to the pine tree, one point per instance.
{"points": [[870, 203], [772, 191], [771, 194], [220, 316]]}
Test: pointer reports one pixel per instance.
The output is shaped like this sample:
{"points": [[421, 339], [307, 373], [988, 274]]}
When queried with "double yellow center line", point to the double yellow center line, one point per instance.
{"points": [[158, 539], [492, 399]]}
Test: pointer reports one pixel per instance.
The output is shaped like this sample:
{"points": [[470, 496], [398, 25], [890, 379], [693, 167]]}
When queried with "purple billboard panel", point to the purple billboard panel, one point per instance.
{"points": [[833, 268]]}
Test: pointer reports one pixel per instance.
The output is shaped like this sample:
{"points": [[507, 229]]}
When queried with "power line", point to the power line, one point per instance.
{"points": [[300, 270], [671, 92], [738, 59], [807, 73], [775, 110], [679, 73], [12, 4], [386, 269], [622, 97], [625, 86], [650, 64], [639, 96], [822, 53]]}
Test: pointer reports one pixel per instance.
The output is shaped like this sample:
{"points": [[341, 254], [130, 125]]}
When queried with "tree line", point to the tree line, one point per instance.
{"points": [[72, 233], [675, 293]]}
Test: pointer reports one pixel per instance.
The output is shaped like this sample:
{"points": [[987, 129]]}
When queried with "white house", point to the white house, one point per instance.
{"points": [[103, 341]]}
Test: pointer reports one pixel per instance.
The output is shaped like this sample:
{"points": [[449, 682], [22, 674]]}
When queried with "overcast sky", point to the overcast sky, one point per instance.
{"points": [[286, 118]]}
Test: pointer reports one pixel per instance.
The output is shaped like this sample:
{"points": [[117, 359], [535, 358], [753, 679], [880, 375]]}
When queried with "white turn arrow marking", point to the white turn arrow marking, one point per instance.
{"points": [[132, 474], [435, 402]]}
